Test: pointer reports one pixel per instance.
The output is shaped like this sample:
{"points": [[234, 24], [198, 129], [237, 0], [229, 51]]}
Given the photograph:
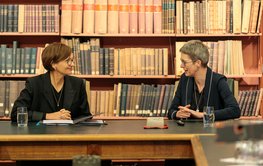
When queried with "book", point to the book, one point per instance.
{"points": [[141, 16], [88, 16], [101, 16], [2, 98], [63, 122], [246, 15], [157, 16], [149, 16], [124, 16], [113, 16], [77, 12], [133, 16], [66, 16], [93, 122]]}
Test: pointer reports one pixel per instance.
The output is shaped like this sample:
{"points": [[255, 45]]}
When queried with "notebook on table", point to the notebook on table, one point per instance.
{"points": [[64, 122]]}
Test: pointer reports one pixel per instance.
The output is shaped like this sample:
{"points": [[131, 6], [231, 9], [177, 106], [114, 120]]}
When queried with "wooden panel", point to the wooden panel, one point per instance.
{"points": [[40, 150], [106, 149], [147, 150]]}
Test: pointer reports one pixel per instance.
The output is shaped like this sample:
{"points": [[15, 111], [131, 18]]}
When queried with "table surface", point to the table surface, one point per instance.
{"points": [[114, 128], [214, 151]]}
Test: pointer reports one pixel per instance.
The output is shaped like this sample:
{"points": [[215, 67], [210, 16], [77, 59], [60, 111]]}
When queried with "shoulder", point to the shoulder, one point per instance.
{"points": [[217, 77], [37, 79], [184, 78], [219, 80], [75, 80]]}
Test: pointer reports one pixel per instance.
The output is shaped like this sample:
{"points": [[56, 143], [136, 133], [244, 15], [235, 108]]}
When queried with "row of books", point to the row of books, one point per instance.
{"points": [[133, 100], [250, 102], [9, 91], [114, 16], [226, 57], [93, 60], [155, 100], [29, 18], [218, 16], [17, 60]]}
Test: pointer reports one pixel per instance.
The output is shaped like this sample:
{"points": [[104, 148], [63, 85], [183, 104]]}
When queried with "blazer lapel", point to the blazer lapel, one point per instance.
{"points": [[190, 90], [68, 93], [48, 92], [207, 86]]}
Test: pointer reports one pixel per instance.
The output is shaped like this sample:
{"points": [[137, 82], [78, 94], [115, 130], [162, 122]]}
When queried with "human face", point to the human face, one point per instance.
{"points": [[65, 67], [188, 65]]}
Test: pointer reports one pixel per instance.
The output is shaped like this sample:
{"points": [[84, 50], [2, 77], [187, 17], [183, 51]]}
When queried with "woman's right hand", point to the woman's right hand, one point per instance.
{"points": [[183, 112], [63, 114]]}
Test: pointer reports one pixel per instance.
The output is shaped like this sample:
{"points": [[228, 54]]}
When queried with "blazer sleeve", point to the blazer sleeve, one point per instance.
{"points": [[84, 105], [230, 109], [177, 100]]}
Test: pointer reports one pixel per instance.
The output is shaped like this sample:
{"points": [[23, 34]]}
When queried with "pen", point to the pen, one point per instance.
{"points": [[104, 122], [180, 122], [38, 123]]}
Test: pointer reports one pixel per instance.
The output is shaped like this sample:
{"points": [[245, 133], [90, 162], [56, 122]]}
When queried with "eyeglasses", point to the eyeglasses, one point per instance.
{"points": [[70, 61], [185, 62]]}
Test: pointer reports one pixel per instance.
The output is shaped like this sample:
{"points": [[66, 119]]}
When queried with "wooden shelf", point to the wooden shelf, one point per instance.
{"points": [[218, 35], [251, 118], [98, 76], [29, 34], [5, 119], [159, 35], [116, 35], [245, 75], [128, 76]]}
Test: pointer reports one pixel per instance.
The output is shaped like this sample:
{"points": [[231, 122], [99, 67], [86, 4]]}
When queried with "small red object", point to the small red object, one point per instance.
{"points": [[148, 127]]}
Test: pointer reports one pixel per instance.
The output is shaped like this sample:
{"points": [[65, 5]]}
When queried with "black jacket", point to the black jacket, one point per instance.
{"points": [[221, 98], [38, 97]]}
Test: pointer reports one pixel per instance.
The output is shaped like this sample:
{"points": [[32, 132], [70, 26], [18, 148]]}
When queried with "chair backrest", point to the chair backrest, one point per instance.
{"points": [[86, 160]]}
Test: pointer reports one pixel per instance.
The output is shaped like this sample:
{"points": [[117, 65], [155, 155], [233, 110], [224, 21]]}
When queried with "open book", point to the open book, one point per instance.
{"points": [[75, 121]]}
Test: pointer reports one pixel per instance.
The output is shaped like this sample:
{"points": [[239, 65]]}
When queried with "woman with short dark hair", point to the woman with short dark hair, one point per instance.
{"points": [[55, 94]]}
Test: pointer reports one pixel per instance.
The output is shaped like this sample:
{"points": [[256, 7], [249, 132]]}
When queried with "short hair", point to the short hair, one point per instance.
{"points": [[196, 50], [55, 53]]}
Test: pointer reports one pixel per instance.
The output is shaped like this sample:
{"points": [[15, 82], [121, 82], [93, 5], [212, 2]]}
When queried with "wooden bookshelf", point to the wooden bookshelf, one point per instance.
{"points": [[252, 45], [116, 35], [28, 34], [251, 118]]}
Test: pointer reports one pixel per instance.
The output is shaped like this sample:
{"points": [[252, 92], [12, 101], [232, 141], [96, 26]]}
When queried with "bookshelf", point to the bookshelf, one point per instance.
{"points": [[252, 44]]}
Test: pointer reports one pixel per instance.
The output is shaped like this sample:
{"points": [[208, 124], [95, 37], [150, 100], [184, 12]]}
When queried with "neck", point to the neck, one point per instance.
{"points": [[57, 80], [199, 77]]}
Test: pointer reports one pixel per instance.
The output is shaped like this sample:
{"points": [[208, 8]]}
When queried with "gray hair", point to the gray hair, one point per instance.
{"points": [[196, 50]]}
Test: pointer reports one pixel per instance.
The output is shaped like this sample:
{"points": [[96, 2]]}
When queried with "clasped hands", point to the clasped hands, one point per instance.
{"points": [[63, 114], [186, 112]]}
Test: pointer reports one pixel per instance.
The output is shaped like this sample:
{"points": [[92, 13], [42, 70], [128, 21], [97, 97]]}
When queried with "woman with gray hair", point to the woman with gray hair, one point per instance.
{"points": [[199, 86]]}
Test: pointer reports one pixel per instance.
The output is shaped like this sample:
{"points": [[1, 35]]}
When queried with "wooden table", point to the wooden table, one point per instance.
{"points": [[120, 139]]}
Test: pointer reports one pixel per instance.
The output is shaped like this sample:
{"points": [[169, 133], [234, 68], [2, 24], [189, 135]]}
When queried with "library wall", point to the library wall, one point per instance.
{"points": [[252, 41]]}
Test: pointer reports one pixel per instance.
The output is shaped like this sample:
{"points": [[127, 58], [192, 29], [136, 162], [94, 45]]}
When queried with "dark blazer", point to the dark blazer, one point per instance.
{"points": [[221, 98], [37, 96]]}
